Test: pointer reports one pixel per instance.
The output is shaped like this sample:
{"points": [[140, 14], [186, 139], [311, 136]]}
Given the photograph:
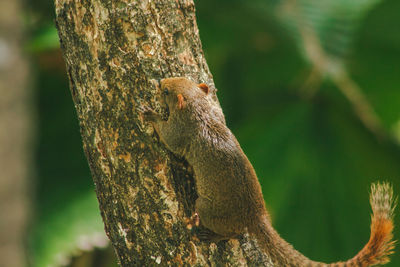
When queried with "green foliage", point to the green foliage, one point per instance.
{"points": [[375, 63], [314, 153], [45, 39], [333, 22], [68, 231]]}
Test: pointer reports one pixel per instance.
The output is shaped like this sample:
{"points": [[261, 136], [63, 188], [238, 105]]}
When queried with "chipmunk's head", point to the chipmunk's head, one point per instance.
{"points": [[177, 92]]}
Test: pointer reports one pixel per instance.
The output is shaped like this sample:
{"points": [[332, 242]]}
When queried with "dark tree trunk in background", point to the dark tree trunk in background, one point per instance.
{"points": [[16, 129], [116, 52]]}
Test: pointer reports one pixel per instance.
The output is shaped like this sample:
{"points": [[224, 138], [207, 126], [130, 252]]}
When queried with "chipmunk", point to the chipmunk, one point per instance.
{"points": [[230, 201]]}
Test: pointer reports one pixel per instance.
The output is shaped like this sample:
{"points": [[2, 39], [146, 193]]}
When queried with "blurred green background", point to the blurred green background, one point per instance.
{"points": [[309, 87]]}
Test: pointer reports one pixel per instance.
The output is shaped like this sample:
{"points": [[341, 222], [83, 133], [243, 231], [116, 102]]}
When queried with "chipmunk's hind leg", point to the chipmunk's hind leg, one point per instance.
{"points": [[214, 226]]}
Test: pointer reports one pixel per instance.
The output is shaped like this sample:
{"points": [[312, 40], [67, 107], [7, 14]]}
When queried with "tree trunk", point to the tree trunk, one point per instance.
{"points": [[16, 130], [116, 52]]}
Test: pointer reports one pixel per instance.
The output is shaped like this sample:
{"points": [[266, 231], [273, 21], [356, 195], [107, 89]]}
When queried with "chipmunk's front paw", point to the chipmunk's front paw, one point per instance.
{"points": [[148, 113]]}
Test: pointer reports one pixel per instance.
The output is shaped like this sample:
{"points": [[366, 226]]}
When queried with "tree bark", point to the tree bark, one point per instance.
{"points": [[116, 52]]}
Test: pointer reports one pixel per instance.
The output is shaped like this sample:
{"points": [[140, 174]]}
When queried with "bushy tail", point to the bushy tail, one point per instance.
{"points": [[376, 251], [380, 244]]}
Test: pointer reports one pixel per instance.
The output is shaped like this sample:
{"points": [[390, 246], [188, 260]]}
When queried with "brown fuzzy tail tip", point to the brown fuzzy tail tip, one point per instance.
{"points": [[380, 244]]}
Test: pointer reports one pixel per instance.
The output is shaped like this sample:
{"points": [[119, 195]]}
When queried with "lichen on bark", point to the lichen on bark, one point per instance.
{"points": [[116, 52]]}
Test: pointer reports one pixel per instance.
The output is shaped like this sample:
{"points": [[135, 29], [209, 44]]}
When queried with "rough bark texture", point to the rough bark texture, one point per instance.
{"points": [[116, 52], [16, 130]]}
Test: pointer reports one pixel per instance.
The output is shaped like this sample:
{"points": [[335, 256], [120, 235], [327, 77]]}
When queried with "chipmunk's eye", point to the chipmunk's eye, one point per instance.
{"points": [[165, 92]]}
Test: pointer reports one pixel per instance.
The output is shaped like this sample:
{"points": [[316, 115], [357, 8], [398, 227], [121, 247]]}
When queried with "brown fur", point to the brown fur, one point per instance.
{"points": [[230, 200]]}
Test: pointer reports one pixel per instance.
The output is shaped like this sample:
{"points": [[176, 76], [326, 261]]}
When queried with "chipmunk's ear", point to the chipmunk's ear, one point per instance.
{"points": [[181, 101], [204, 87]]}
